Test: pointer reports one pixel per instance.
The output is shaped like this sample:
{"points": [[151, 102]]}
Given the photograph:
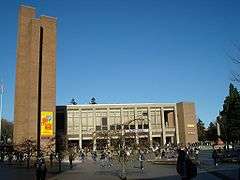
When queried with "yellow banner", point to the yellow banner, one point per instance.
{"points": [[46, 123]]}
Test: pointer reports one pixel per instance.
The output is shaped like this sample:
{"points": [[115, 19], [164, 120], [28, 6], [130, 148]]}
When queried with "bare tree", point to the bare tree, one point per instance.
{"points": [[235, 59], [120, 147], [28, 147]]}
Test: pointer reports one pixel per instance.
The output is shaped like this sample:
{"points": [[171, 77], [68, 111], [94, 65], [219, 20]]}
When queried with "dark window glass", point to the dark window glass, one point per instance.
{"points": [[132, 126], [126, 127], [119, 127], [104, 128], [104, 121], [139, 126], [98, 128], [146, 126], [166, 118], [112, 127]]}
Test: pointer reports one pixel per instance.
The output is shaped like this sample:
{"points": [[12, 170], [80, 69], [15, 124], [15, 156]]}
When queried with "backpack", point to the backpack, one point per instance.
{"points": [[192, 168]]}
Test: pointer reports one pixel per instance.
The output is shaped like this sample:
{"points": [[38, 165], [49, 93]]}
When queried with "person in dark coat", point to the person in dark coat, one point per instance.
{"points": [[51, 159], [182, 164], [94, 155], [163, 153], [38, 170], [71, 160], [215, 156], [141, 159], [43, 170], [82, 155]]}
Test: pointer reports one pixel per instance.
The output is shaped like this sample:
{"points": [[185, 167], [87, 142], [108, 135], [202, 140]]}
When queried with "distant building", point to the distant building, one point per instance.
{"points": [[35, 87], [153, 123]]}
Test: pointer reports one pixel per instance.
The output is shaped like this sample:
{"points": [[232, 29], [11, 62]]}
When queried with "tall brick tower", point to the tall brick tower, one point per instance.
{"points": [[35, 89]]}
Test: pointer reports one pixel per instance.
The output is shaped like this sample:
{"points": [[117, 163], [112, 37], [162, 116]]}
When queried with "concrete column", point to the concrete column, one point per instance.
{"points": [[108, 118], [122, 125], [136, 125], [176, 124], [108, 126], [109, 142], [150, 128], [94, 128], [163, 126], [80, 128]]}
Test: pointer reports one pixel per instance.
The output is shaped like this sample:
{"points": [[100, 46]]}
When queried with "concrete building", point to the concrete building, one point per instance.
{"points": [[158, 123], [35, 72]]}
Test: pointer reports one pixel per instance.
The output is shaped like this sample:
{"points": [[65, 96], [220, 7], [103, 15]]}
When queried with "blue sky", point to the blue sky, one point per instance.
{"points": [[133, 51]]}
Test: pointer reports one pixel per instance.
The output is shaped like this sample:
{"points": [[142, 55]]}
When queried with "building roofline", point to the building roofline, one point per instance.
{"points": [[26, 6], [50, 17], [121, 104]]}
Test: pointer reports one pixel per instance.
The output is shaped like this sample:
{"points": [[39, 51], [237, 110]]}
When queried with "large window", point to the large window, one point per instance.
{"points": [[169, 118], [155, 116], [142, 115], [114, 118], [104, 123], [87, 120], [101, 120], [128, 115], [73, 122]]}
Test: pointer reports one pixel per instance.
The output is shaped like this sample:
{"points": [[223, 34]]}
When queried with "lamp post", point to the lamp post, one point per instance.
{"points": [[39, 94]]}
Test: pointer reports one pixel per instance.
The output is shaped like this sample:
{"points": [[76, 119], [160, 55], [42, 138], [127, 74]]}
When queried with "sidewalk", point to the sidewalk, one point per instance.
{"points": [[228, 171], [90, 170]]}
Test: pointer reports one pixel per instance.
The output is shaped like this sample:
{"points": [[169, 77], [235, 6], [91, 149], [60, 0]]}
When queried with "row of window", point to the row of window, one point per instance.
{"points": [[114, 119]]}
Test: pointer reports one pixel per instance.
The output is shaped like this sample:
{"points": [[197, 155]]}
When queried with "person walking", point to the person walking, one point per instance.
{"points": [[94, 155], [38, 170], [182, 166], [51, 159], [141, 160], [82, 156], [215, 156], [109, 159], [71, 160], [163, 153], [43, 170], [103, 159], [196, 153]]}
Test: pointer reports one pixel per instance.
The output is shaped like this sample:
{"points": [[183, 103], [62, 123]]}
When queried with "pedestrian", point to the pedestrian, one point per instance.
{"points": [[109, 159], [181, 167], [215, 156], [38, 170], [94, 155], [196, 153], [141, 160], [71, 160], [43, 170], [163, 153], [82, 156], [21, 156], [102, 159], [51, 159]]}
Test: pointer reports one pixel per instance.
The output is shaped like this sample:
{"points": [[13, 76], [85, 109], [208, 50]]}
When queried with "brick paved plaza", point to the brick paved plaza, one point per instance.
{"points": [[91, 170]]}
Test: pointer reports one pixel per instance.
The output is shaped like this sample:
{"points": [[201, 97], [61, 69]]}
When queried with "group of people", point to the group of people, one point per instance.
{"points": [[16, 156], [106, 156], [185, 167], [170, 152]]}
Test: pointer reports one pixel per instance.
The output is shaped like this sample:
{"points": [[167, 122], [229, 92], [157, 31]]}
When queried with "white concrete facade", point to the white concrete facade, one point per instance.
{"points": [[156, 122]]}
